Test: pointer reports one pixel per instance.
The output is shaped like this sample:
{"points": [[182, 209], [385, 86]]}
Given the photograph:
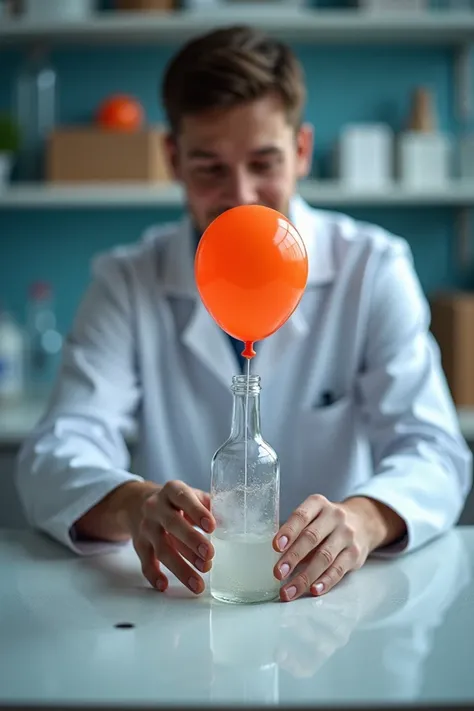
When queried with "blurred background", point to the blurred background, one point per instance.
{"points": [[391, 98]]}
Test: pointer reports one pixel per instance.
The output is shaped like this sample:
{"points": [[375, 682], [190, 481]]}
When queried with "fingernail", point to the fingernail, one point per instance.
{"points": [[291, 592], [206, 524], [284, 570], [160, 585], [203, 550], [319, 587], [200, 565], [282, 543], [193, 584]]}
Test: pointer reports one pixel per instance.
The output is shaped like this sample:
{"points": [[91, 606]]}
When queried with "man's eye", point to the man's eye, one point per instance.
{"points": [[262, 168], [210, 170]]}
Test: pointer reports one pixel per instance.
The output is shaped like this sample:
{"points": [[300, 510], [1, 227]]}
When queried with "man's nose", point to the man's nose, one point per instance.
{"points": [[242, 190]]}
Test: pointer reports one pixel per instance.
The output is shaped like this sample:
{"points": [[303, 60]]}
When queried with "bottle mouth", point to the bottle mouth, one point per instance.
{"points": [[240, 384]]}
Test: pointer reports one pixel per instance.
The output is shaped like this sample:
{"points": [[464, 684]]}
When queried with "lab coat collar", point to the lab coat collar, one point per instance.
{"points": [[202, 335], [313, 226]]}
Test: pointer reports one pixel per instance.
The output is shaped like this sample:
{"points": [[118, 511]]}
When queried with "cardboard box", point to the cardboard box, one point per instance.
{"points": [[453, 328], [146, 5], [81, 155]]}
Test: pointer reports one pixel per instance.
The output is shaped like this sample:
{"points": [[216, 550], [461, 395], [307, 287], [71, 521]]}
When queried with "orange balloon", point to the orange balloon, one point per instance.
{"points": [[251, 271]]}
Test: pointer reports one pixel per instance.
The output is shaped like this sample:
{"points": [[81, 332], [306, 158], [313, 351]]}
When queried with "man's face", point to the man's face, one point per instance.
{"points": [[239, 156]]}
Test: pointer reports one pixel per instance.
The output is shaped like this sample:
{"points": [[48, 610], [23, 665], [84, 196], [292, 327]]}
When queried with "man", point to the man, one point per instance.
{"points": [[354, 399]]}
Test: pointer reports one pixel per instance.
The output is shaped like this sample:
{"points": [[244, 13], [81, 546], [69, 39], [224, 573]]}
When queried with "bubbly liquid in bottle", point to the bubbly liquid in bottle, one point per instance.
{"points": [[242, 569]]}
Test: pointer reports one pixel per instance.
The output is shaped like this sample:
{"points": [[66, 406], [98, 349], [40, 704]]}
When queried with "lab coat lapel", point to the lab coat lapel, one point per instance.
{"points": [[210, 344], [201, 334], [271, 352], [312, 226]]}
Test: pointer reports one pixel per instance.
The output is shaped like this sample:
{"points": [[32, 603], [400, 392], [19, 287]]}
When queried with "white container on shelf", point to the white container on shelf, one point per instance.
{"points": [[398, 6], [466, 157], [58, 10], [460, 5], [364, 156], [424, 154], [246, 7], [6, 163], [424, 159], [202, 4]]}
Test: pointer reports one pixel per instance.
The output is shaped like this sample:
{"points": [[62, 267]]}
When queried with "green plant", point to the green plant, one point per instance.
{"points": [[9, 135]]}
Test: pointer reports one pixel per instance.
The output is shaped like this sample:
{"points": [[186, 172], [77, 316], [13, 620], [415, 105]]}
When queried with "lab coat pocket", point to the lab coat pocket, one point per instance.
{"points": [[325, 438]]}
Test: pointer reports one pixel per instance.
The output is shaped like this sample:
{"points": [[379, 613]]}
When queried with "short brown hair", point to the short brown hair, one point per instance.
{"points": [[230, 66]]}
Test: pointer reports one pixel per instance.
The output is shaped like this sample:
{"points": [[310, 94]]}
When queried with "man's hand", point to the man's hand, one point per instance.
{"points": [[163, 532], [325, 540]]}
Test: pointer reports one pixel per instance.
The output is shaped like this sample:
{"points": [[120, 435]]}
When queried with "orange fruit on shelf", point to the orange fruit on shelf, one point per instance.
{"points": [[120, 113]]}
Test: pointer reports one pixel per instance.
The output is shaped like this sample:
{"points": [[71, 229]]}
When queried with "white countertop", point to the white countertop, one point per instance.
{"points": [[397, 632], [17, 419]]}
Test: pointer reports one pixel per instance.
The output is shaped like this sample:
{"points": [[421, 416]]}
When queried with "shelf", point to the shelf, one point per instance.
{"points": [[324, 193], [91, 195], [334, 194], [304, 25]]}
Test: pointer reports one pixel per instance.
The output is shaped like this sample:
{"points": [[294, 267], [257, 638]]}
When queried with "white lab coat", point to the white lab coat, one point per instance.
{"points": [[144, 355]]}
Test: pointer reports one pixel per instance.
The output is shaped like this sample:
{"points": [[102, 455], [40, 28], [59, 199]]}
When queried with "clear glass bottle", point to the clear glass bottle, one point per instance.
{"points": [[245, 500], [11, 357]]}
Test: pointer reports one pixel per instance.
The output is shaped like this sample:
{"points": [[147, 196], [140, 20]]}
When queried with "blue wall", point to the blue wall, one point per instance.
{"points": [[345, 84]]}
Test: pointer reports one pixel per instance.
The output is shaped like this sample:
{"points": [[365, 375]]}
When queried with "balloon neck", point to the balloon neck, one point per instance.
{"points": [[249, 351]]}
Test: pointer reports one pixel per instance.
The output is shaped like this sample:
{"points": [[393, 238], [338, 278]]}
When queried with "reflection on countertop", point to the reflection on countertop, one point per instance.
{"points": [[396, 631], [371, 640]]}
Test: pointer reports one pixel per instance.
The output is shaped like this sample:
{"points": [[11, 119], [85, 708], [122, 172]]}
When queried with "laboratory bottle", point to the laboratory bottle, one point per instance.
{"points": [[245, 501], [11, 358], [44, 340]]}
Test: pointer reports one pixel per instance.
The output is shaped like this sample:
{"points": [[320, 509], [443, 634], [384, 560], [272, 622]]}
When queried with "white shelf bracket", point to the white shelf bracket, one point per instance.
{"points": [[464, 82]]}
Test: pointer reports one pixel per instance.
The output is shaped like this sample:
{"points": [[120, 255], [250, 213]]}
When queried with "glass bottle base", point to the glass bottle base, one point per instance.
{"points": [[248, 598]]}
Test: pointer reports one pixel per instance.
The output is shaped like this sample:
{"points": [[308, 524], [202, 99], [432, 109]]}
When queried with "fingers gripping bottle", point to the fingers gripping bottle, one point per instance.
{"points": [[245, 501]]}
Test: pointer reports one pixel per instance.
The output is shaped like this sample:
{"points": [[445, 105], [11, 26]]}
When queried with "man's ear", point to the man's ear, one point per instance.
{"points": [[304, 150], [170, 148]]}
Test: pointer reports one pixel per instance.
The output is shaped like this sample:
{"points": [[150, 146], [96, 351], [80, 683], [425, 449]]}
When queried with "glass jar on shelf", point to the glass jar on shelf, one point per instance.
{"points": [[36, 98]]}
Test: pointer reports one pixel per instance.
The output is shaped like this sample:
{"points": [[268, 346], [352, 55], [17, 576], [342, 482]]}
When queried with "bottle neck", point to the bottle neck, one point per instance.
{"points": [[246, 424]]}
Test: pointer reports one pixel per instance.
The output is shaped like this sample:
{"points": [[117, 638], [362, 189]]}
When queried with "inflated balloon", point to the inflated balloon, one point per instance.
{"points": [[251, 270]]}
